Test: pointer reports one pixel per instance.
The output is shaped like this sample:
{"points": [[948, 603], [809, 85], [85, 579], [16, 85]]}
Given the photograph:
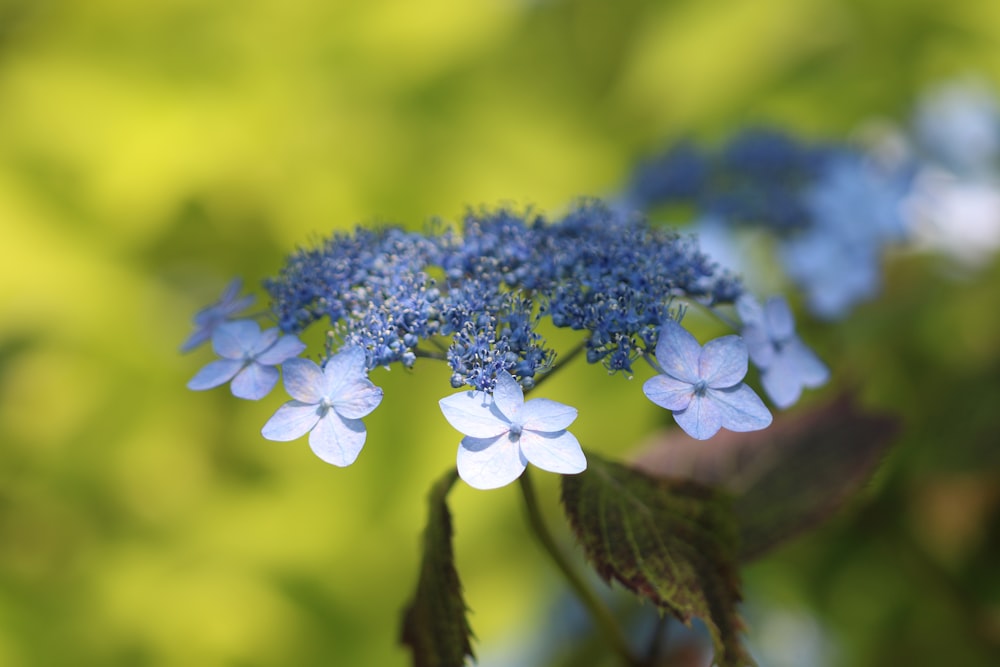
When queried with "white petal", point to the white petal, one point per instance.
{"points": [[489, 463], [508, 396], [723, 362], [556, 452], [740, 408], [337, 440], [292, 420], [348, 365], [668, 392], [232, 340], [544, 415], [677, 352], [702, 418], [214, 374], [472, 413], [303, 380], [254, 382], [357, 399]]}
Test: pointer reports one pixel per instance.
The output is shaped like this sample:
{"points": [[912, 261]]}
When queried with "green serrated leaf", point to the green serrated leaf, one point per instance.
{"points": [[672, 542], [435, 626], [788, 478], [821, 465]]}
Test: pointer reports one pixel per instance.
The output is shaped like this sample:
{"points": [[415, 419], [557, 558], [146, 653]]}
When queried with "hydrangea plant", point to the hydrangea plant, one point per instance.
{"points": [[473, 297], [477, 296]]}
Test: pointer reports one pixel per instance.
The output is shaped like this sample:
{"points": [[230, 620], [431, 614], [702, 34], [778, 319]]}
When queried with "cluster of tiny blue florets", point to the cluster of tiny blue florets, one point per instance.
{"points": [[595, 270]]}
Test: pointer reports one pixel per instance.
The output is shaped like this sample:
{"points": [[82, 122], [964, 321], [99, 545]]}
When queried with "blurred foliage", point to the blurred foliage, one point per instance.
{"points": [[149, 151]]}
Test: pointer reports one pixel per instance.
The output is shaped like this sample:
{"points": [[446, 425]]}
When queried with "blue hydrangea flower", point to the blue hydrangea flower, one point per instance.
{"points": [[856, 211], [329, 404], [208, 319], [249, 359], [703, 386], [504, 433], [754, 179], [834, 274], [786, 364]]}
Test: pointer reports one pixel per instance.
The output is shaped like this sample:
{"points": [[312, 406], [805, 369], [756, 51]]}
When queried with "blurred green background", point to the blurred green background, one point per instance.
{"points": [[150, 151]]}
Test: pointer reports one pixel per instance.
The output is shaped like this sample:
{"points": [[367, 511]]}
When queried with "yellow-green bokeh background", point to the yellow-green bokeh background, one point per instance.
{"points": [[150, 151]]}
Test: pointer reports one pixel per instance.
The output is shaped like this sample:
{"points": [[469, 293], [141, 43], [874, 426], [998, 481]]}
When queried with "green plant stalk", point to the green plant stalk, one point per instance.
{"points": [[602, 616]]}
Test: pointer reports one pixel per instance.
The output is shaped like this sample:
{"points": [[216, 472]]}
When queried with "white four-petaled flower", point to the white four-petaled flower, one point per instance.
{"points": [[249, 359], [703, 386], [329, 404], [504, 433], [786, 364]]}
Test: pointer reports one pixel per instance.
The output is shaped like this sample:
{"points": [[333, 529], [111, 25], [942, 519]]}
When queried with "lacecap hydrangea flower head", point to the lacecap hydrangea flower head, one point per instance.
{"points": [[472, 297]]}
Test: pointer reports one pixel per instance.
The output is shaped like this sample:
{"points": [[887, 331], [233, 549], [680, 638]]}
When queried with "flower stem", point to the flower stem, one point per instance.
{"points": [[602, 616], [430, 354], [562, 361]]}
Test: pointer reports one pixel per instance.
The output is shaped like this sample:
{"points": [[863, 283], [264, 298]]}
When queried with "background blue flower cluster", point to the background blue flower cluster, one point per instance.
{"points": [[833, 208]]}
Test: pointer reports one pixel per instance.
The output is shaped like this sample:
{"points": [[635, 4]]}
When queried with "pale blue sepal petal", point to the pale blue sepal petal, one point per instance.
{"points": [[254, 382], [778, 318], [782, 384], [292, 420], [508, 397], [232, 289], [357, 399], [225, 306], [214, 374], [489, 463], [284, 349], [542, 414], [232, 340], [740, 408], [347, 365], [209, 318], [702, 419], [472, 413], [194, 340], [556, 452], [337, 440], [759, 345], [723, 362], [303, 380], [812, 371], [794, 368], [668, 393], [749, 310], [240, 306], [677, 352], [265, 341], [755, 333]]}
